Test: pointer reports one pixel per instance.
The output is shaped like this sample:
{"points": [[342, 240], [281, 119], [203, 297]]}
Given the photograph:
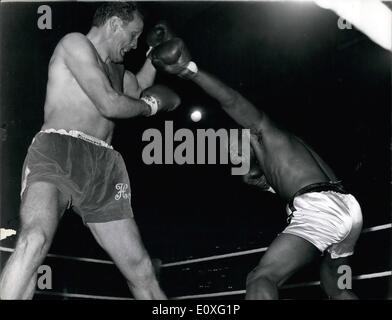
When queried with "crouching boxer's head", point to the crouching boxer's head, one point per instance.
{"points": [[238, 154]]}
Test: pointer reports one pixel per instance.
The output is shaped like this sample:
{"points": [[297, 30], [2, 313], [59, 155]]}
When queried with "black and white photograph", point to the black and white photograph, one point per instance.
{"points": [[195, 151]]}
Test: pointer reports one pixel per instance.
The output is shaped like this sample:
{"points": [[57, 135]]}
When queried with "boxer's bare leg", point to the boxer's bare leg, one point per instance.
{"points": [[41, 209], [286, 254], [329, 277], [121, 240]]}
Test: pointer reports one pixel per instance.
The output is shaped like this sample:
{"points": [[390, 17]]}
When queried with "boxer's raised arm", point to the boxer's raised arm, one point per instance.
{"points": [[240, 109], [131, 85], [146, 75], [173, 57], [81, 60]]}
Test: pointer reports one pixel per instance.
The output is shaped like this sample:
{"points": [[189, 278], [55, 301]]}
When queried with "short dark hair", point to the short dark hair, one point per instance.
{"points": [[124, 10]]}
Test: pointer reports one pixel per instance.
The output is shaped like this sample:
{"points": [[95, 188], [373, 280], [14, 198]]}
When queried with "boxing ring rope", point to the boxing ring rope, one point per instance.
{"points": [[50, 255], [177, 263], [387, 273], [241, 253], [80, 296], [210, 295], [298, 285]]}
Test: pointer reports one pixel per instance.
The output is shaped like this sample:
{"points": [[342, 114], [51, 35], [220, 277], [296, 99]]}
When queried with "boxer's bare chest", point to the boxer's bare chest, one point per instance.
{"points": [[115, 73]]}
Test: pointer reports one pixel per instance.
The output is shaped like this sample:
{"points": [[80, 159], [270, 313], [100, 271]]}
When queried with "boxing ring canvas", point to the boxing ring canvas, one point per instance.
{"points": [[204, 229]]}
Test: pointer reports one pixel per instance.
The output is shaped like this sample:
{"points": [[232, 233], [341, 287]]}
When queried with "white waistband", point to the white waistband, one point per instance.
{"points": [[80, 135]]}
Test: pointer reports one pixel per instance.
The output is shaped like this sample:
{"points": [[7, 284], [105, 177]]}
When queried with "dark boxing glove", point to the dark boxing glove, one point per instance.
{"points": [[173, 57], [160, 33], [159, 98]]}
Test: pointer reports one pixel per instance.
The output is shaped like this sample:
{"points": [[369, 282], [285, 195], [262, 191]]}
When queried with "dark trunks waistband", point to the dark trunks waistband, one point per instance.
{"points": [[318, 187]]}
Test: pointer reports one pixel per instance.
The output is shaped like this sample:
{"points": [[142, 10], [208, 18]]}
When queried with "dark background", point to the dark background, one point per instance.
{"points": [[329, 86]]}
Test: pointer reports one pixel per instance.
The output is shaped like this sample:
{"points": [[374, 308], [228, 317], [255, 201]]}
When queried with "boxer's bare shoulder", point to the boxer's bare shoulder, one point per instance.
{"points": [[75, 48]]}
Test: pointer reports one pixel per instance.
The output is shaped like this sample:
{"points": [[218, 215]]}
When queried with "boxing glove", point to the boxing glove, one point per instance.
{"points": [[160, 98], [160, 33], [173, 57]]}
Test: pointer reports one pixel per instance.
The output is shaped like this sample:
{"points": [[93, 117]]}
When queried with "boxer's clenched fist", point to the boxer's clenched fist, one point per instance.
{"points": [[160, 33], [159, 98], [173, 57]]}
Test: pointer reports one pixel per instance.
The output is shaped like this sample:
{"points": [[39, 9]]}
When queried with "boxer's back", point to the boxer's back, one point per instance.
{"points": [[67, 106], [289, 164]]}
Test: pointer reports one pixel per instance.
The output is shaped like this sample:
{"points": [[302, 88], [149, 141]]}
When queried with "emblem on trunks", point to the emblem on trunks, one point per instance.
{"points": [[122, 191]]}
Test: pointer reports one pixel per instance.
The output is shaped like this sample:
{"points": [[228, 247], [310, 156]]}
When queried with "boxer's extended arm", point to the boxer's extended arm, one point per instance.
{"points": [[240, 109], [173, 57], [81, 59]]}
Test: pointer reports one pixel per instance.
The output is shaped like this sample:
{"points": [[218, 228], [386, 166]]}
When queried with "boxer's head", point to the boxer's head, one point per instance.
{"points": [[255, 176], [122, 24]]}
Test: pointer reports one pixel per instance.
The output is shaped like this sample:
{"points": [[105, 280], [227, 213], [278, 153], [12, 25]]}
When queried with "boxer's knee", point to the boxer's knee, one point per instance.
{"points": [[32, 245], [261, 284], [262, 274], [142, 271]]}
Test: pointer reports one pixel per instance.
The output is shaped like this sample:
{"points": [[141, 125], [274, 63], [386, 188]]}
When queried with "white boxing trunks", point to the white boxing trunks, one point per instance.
{"points": [[330, 220]]}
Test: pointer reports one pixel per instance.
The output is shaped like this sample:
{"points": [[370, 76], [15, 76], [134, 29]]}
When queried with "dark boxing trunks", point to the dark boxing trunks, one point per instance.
{"points": [[86, 170]]}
